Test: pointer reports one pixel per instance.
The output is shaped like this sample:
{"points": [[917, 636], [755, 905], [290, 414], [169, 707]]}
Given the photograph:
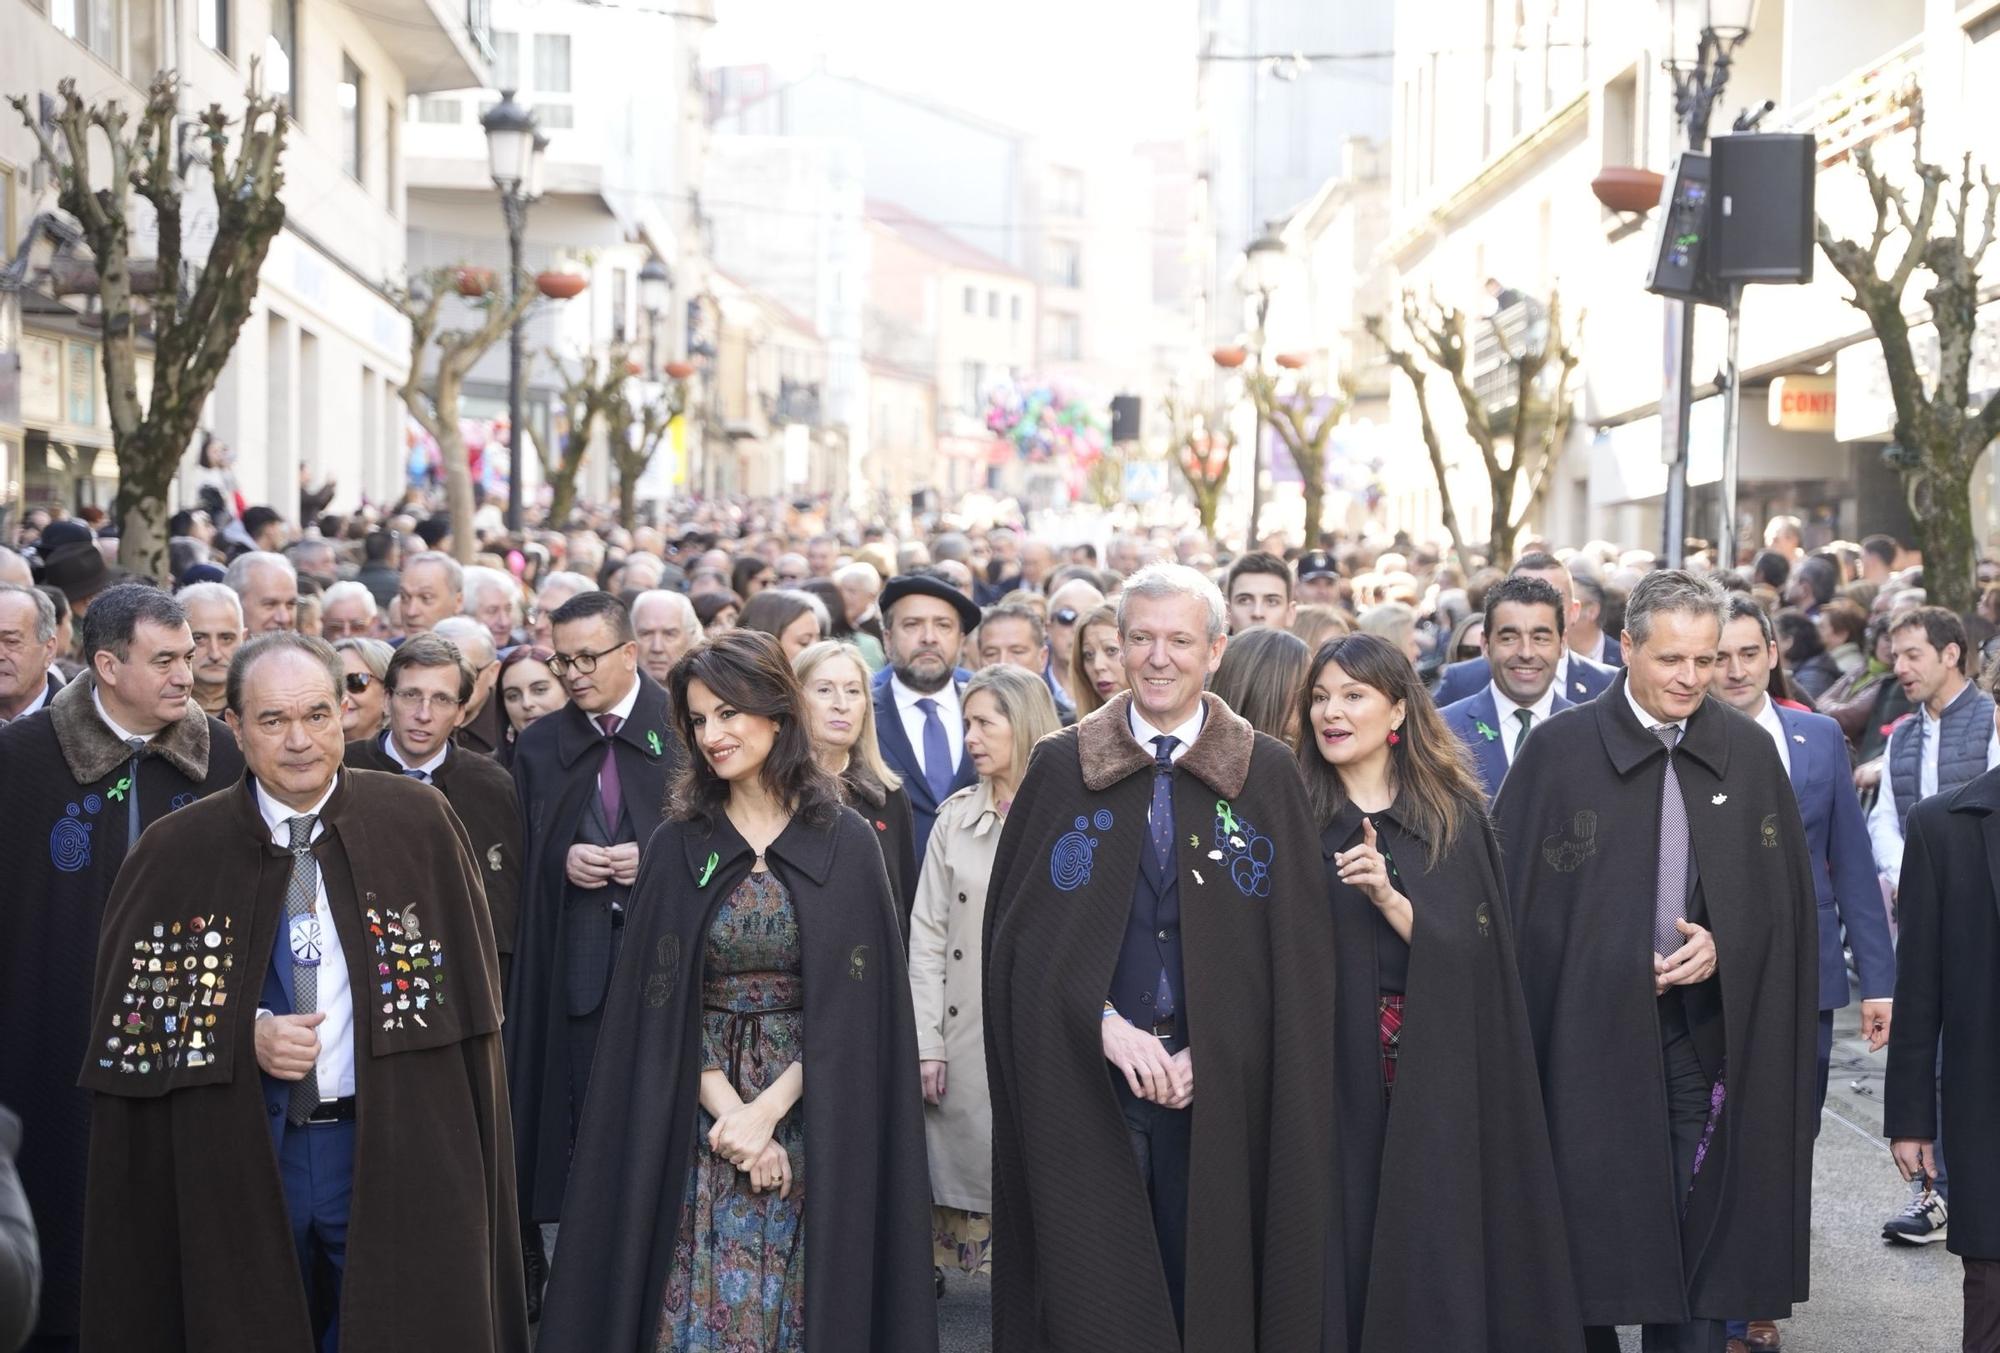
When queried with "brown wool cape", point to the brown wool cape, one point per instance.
{"points": [[1079, 1268], [865, 1175], [1578, 820], [187, 1242], [481, 794]]}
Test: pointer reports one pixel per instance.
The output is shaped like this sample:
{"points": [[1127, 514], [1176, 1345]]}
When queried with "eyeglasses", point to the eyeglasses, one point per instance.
{"points": [[410, 698], [583, 663], [1064, 615], [357, 682]]}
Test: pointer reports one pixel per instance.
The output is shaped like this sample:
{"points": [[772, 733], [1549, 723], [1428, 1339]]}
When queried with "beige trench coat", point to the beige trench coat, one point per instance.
{"points": [[945, 925]]}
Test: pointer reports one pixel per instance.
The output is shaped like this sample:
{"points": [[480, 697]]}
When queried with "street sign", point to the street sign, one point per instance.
{"points": [[1803, 403]]}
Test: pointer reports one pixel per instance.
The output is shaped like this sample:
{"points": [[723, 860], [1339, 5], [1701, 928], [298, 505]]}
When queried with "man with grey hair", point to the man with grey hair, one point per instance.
{"points": [[556, 589], [347, 610], [481, 722], [1585, 634], [27, 651], [1669, 951], [14, 569], [433, 587], [667, 627], [268, 587], [493, 598], [215, 622], [1166, 843], [314, 558]]}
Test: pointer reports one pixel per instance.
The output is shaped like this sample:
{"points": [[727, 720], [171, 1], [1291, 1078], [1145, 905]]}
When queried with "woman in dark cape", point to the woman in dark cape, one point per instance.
{"points": [[840, 715], [710, 1199], [1436, 1092]]}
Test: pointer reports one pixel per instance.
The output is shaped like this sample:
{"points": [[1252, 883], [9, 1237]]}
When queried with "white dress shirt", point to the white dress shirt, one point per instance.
{"points": [[623, 709], [1647, 721], [948, 713], [1885, 824], [41, 698], [122, 734], [1143, 731], [1510, 726], [336, 1031], [1767, 719], [429, 768]]}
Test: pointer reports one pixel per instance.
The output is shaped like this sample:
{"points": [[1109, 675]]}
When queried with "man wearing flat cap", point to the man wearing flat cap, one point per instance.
{"points": [[918, 721]]}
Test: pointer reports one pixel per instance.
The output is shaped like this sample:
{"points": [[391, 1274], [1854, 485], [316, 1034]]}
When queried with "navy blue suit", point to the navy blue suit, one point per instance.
{"points": [[1586, 680], [903, 759], [1489, 755]]}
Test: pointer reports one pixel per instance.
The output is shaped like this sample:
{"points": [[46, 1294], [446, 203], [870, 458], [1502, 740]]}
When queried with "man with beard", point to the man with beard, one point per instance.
{"points": [[1850, 900], [1524, 639], [428, 683], [1670, 958], [666, 625], [1158, 911], [115, 751], [592, 779], [918, 722], [215, 620], [296, 1060]]}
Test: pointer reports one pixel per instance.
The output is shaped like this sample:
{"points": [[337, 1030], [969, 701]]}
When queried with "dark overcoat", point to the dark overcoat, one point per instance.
{"points": [[894, 827], [867, 1209], [1947, 953], [555, 767], [188, 1244], [1080, 1269], [64, 819], [1578, 819], [481, 794], [1463, 1146]]}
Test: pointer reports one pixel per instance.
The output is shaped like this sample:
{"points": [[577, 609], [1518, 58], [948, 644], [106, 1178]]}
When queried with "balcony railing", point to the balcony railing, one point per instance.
{"points": [[1876, 101], [1518, 328]]}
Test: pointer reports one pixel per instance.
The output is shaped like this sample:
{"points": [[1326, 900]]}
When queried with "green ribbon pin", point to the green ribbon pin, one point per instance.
{"points": [[653, 742], [708, 870], [1485, 732], [117, 791], [1227, 814]]}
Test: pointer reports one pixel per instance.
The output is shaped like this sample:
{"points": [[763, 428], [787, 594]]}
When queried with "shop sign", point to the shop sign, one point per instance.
{"points": [[1803, 403]]}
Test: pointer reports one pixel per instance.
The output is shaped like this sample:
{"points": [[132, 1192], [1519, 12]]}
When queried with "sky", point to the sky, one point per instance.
{"points": [[1118, 71]]}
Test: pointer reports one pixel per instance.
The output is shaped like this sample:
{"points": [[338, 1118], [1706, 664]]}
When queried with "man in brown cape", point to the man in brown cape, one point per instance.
{"points": [[295, 1051], [1157, 995]]}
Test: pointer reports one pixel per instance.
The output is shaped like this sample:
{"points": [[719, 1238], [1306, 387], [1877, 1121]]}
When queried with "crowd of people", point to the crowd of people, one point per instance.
{"points": [[551, 858]]}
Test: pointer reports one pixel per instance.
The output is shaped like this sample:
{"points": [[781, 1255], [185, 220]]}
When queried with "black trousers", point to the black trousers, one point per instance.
{"points": [[1982, 1306], [1160, 1141], [1688, 1089]]}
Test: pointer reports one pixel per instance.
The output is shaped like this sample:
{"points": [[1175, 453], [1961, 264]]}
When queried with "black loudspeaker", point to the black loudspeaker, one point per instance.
{"points": [[1762, 185], [1682, 247], [1124, 418]]}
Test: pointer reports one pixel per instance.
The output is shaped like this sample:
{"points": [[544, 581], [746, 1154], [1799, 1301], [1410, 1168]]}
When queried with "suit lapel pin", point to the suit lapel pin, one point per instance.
{"points": [[1199, 880], [653, 742], [1719, 800], [708, 869], [1799, 738], [1485, 732], [1581, 688]]}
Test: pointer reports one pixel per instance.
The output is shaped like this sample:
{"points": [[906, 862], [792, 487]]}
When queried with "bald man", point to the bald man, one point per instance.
{"points": [[481, 725]]}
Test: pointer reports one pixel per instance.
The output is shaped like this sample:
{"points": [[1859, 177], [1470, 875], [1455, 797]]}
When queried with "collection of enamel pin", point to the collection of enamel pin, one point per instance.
{"points": [[179, 979], [409, 969]]}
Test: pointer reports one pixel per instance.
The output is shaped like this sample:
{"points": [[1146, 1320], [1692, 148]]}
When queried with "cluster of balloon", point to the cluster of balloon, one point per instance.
{"points": [[1047, 423]]}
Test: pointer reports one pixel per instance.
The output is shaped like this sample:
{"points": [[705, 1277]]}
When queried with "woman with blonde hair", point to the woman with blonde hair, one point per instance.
{"points": [[1096, 672], [840, 716], [364, 703], [1007, 710], [1318, 623]]}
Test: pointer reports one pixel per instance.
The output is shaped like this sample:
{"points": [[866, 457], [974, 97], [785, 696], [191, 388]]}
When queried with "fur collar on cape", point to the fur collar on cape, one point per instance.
{"points": [[92, 752], [1220, 757]]}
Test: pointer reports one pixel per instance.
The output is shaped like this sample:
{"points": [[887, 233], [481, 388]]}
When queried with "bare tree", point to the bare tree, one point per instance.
{"points": [[1939, 435], [1305, 429], [1203, 447], [638, 428], [1519, 452], [194, 309], [587, 395], [436, 406]]}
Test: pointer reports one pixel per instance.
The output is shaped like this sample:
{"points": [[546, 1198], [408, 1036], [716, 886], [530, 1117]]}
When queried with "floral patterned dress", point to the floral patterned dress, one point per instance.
{"points": [[737, 1284]]}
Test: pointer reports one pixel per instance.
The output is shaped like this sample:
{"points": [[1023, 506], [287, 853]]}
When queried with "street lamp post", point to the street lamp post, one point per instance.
{"points": [[514, 151], [1263, 259], [656, 287], [1703, 38]]}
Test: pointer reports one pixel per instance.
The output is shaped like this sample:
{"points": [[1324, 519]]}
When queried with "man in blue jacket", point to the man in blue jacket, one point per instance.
{"points": [[1524, 643], [918, 722], [1578, 679], [1850, 900]]}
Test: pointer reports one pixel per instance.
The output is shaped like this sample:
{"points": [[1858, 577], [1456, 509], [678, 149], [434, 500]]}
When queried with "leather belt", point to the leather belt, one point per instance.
{"points": [[1166, 1028], [333, 1111]]}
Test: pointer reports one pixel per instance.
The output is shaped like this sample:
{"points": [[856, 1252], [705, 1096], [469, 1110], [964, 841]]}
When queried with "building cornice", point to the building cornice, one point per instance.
{"points": [[1512, 161]]}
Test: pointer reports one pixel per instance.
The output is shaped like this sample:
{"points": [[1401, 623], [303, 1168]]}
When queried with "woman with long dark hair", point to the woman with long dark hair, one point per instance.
{"points": [[713, 1203], [529, 689], [1259, 677], [795, 619], [840, 714], [1434, 1065]]}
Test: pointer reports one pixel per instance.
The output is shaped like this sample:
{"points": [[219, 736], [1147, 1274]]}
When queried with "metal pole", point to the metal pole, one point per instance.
{"points": [[1674, 518], [1257, 443], [516, 211], [1725, 539]]}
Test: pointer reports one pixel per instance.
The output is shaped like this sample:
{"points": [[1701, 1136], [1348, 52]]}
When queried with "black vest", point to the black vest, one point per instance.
{"points": [[1152, 943]]}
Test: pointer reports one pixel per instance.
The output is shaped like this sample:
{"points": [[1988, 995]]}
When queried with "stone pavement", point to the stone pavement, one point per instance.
{"points": [[1868, 1296]]}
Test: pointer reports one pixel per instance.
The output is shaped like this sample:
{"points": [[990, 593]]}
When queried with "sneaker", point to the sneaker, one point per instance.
{"points": [[1921, 1222]]}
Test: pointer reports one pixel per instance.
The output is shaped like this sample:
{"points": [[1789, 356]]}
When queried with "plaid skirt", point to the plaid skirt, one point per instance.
{"points": [[1389, 1025]]}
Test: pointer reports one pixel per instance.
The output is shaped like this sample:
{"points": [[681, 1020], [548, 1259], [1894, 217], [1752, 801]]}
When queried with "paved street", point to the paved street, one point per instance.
{"points": [[1868, 1297]]}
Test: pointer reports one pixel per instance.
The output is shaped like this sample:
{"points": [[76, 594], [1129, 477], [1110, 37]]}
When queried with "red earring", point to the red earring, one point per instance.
{"points": [[1394, 737]]}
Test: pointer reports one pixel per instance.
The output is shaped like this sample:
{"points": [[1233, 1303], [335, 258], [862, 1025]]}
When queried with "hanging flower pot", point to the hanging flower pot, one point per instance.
{"points": [[1290, 361], [560, 286], [1230, 358], [1624, 188], [474, 282], [634, 367], [680, 371]]}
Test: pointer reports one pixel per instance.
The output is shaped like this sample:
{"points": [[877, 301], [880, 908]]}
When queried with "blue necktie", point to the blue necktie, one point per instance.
{"points": [[138, 746], [420, 777], [938, 770], [1161, 818]]}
